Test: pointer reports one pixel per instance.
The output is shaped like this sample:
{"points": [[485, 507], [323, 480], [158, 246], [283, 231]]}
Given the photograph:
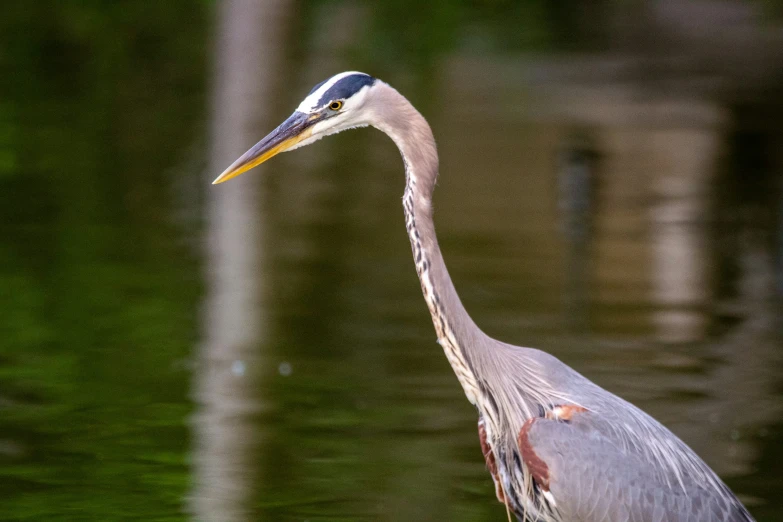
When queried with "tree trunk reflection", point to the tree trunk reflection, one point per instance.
{"points": [[227, 437]]}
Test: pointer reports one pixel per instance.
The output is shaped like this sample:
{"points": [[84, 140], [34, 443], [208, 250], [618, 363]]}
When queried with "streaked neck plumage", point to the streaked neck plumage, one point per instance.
{"points": [[455, 329]]}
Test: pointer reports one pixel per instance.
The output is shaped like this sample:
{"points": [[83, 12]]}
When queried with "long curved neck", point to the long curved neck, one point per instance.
{"points": [[456, 331]]}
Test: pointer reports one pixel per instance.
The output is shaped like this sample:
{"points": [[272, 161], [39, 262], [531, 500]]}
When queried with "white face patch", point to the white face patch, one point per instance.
{"points": [[327, 127], [353, 96], [310, 104]]}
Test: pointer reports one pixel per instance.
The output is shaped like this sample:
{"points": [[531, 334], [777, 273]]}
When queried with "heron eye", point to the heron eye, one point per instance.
{"points": [[336, 105]]}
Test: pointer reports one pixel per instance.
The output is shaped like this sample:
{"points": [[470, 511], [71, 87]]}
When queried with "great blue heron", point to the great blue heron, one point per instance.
{"points": [[558, 447]]}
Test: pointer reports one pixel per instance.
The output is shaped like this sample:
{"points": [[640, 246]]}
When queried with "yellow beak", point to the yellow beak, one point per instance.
{"points": [[295, 129]]}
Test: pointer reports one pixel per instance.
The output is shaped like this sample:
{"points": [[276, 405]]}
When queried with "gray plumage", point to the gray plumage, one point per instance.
{"points": [[559, 447]]}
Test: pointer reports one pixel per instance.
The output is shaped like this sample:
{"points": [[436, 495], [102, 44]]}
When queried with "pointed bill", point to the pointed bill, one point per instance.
{"points": [[296, 128]]}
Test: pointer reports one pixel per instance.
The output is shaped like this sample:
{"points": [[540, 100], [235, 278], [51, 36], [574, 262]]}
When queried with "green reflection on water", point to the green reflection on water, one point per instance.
{"points": [[98, 301]]}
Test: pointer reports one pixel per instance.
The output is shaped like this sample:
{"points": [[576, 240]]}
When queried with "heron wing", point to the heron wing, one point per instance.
{"points": [[591, 477]]}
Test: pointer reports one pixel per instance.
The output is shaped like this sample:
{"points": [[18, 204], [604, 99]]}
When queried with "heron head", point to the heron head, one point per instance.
{"points": [[332, 106]]}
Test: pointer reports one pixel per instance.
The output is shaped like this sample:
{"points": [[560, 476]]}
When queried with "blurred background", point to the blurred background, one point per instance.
{"points": [[611, 192]]}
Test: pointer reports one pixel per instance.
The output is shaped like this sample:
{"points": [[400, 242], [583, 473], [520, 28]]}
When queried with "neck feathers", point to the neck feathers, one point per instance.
{"points": [[457, 333]]}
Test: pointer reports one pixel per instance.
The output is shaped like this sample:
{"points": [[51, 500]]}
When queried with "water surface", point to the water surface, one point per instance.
{"points": [[118, 405]]}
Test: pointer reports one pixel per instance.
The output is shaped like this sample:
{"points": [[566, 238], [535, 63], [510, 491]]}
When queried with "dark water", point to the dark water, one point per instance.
{"points": [[114, 407]]}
